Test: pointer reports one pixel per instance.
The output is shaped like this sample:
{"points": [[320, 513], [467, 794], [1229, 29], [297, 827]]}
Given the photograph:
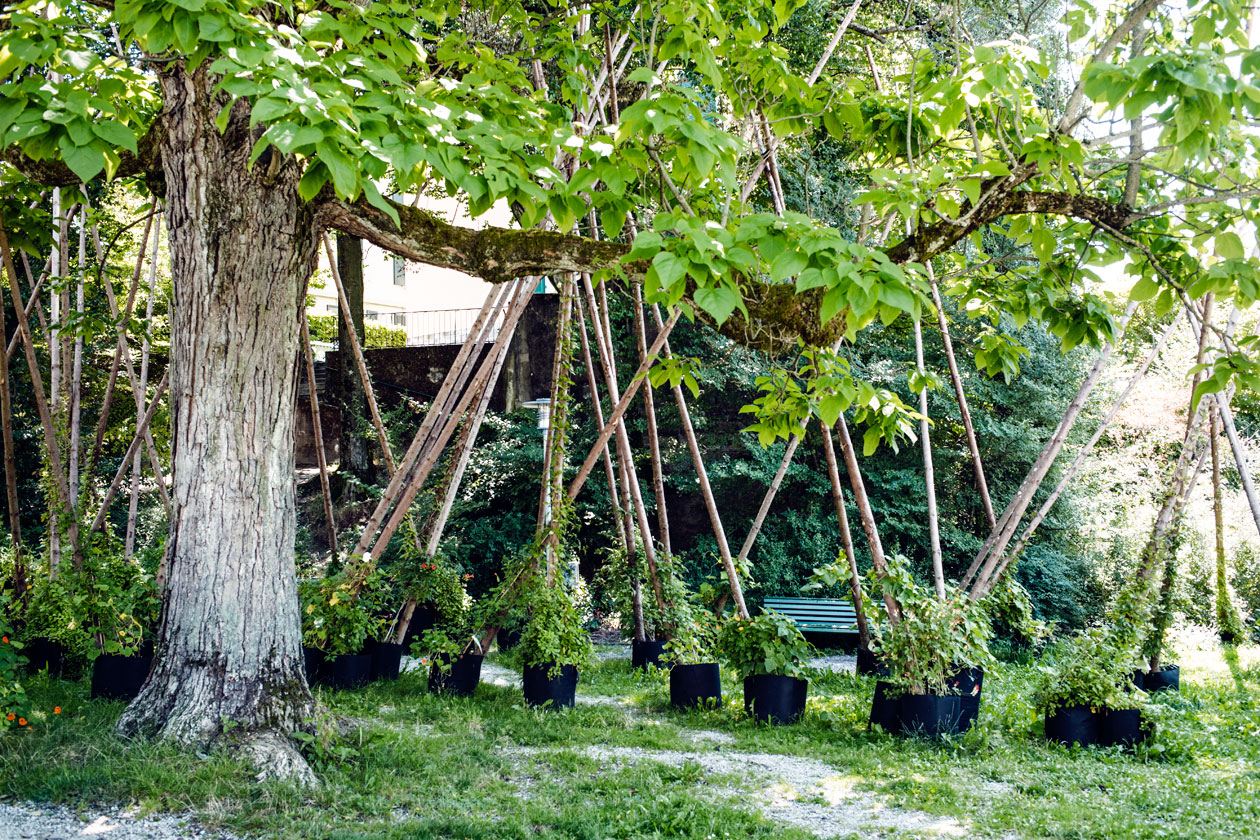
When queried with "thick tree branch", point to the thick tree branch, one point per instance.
{"points": [[146, 163], [778, 314]]}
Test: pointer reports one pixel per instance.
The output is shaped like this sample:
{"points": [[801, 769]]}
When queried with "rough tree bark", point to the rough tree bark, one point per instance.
{"points": [[242, 248]]}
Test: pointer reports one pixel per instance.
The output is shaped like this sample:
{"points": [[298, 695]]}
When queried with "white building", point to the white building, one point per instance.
{"points": [[433, 305]]}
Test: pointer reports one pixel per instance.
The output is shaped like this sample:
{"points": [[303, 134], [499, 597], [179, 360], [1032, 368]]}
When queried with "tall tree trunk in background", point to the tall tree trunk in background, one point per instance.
{"points": [[243, 246], [351, 401]]}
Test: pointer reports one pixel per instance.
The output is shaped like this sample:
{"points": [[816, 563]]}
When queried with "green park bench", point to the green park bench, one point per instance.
{"points": [[816, 615]]}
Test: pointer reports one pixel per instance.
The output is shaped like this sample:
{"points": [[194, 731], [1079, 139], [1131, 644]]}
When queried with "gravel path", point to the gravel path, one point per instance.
{"points": [[25, 821]]}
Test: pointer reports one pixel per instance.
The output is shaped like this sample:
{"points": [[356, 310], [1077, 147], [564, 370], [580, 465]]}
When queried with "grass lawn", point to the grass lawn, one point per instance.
{"points": [[622, 765]]}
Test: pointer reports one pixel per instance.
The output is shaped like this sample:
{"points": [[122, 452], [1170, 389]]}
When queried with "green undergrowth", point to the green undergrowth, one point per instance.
{"points": [[419, 766]]}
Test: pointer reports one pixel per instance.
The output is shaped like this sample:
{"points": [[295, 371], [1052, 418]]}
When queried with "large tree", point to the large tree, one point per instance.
{"points": [[263, 125]]}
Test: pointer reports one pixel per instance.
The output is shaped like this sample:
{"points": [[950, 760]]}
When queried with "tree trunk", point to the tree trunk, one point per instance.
{"points": [[242, 247], [351, 399]]}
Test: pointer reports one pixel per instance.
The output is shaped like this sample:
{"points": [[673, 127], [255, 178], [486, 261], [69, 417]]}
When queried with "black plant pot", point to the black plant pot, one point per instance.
{"points": [[386, 660], [648, 653], [1124, 727], [507, 639], [348, 670], [1138, 678], [1073, 725], [422, 620], [868, 664], [886, 707], [692, 686], [313, 661], [1167, 678], [461, 679], [1227, 637], [119, 677], [968, 683], [45, 654], [931, 715], [541, 689], [774, 698]]}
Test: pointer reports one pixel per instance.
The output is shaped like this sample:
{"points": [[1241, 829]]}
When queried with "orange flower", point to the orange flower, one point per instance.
{"points": [[21, 721], [4, 639], [56, 710], [11, 716]]}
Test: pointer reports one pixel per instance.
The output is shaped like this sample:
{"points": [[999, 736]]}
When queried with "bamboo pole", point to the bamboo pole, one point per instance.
{"points": [[359, 360], [317, 429], [134, 504], [929, 472], [37, 381], [10, 469], [76, 368], [620, 408], [1086, 449], [846, 537], [131, 451], [106, 402], [1222, 582], [706, 490], [633, 495], [32, 305], [955, 378], [466, 446], [865, 514], [654, 440], [768, 499], [1009, 521], [430, 457], [124, 354], [475, 338]]}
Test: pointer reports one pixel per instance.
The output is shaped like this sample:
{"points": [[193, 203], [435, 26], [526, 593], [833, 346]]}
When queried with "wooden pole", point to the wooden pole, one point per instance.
{"points": [[360, 362], [955, 379], [10, 469], [654, 439], [846, 537], [706, 490], [131, 452], [1087, 448], [456, 373], [620, 408], [107, 401], [433, 451], [37, 382], [133, 505], [865, 514], [997, 542], [929, 472], [317, 429]]}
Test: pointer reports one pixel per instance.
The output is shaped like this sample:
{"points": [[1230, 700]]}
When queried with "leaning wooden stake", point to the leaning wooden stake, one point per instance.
{"points": [[434, 448], [359, 360], [37, 380], [929, 472], [980, 576], [706, 492], [317, 429], [1085, 451], [654, 439], [955, 378], [131, 451], [10, 469], [436, 411], [846, 537], [865, 514]]}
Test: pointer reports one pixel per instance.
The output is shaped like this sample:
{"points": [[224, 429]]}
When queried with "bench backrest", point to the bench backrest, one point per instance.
{"points": [[815, 612]]}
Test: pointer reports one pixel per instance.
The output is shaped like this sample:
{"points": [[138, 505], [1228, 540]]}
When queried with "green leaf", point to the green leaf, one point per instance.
{"points": [[1229, 246], [1144, 290], [670, 269], [787, 264], [85, 161], [116, 134], [719, 302], [345, 174]]}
